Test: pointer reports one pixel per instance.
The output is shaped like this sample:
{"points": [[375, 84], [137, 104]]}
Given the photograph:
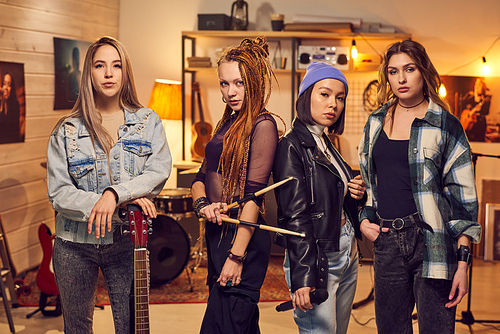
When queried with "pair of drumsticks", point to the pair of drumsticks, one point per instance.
{"points": [[262, 227]]}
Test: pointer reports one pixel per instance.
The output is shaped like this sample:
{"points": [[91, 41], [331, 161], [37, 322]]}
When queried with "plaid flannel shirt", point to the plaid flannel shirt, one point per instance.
{"points": [[442, 181]]}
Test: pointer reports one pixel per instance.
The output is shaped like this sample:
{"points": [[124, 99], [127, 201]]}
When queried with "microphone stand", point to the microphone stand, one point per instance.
{"points": [[467, 317]]}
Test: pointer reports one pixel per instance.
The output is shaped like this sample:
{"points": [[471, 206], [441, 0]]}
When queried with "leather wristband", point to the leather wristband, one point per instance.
{"points": [[463, 254], [237, 258]]}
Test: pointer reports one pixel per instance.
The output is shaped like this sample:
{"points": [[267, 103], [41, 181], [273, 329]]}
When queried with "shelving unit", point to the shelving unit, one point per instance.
{"points": [[295, 37]]}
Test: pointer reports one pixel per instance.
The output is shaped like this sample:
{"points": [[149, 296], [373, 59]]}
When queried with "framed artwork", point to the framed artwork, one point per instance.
{"points": [[68, 69], [12, 103], [473, 102], [492, 233]]}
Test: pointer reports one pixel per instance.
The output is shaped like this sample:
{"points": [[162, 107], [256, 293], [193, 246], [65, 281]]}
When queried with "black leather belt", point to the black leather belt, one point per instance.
{"points": [[400, 223]]}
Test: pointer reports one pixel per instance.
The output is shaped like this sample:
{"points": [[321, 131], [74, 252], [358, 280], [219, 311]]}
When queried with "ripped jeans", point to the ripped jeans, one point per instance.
{"points": [[76, 268]]}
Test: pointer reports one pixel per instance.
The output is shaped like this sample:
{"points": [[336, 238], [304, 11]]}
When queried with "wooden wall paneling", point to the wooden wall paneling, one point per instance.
{"points": [[22, 40], [33, 62], [70, 7], [22, 194], [24, 171], [40, 126], [30, 149], [78, 24], [42, 106], [33, 214], [39, 84]]}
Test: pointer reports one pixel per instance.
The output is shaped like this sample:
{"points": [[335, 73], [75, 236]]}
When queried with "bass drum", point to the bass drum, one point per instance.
{"points": [[168, 250]]}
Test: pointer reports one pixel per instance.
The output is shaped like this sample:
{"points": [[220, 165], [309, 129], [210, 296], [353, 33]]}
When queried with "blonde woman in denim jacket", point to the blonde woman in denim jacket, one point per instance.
{"points": [[109, 152]]}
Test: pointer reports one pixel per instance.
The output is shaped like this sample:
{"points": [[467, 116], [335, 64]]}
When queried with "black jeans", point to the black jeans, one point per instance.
{"points": [[399, 286]]}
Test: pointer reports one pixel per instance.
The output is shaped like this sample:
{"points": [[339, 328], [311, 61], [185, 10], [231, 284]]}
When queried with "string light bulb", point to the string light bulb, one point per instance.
{"points": [[486, 68], [442, 91], [354, 50]]}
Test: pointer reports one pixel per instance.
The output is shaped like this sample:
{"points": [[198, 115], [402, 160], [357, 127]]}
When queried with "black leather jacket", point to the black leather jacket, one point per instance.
{"points": [[311, 203]]}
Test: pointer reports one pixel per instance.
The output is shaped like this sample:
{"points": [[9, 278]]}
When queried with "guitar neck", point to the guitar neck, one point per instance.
{"points": [[141, 290]]}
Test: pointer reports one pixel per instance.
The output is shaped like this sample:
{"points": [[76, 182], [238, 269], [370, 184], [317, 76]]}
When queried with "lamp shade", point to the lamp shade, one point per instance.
{"points": [[166, 99]]}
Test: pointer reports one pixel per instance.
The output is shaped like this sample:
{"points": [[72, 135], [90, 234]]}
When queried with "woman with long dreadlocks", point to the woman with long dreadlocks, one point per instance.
{"points": [[238, 162]]}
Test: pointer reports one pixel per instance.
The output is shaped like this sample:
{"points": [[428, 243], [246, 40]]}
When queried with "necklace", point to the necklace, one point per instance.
{"points": [[416, 105]]}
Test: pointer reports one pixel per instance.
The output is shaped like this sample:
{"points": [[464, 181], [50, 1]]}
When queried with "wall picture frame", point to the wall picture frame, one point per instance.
{"points": [[68, 63], [492, 232]]}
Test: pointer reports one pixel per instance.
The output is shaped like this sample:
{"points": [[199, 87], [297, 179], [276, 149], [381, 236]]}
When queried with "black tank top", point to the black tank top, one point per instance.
{"points": [[394, 194]]}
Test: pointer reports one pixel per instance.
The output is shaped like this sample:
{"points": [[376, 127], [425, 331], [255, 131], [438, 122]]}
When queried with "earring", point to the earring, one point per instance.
{"points": [[224, 100]]}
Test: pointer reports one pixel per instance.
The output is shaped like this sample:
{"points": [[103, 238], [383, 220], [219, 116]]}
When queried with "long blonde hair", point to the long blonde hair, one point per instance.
{"points": [[256, 72], [85, 103]]}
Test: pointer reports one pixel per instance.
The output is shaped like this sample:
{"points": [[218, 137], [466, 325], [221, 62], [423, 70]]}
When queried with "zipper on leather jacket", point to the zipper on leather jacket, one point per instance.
{"points": [[318, 215], [311, 185]]}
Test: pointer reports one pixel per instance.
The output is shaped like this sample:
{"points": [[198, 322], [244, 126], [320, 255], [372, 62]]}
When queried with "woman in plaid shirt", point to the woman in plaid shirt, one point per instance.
{"points": [[421, 212]]}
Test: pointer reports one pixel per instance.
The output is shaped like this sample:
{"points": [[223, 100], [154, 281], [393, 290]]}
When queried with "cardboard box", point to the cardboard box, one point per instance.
{"points": [[213, 22]]}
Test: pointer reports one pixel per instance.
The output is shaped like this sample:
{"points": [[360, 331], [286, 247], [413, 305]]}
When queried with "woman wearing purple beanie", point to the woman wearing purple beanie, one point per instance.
{"points": [[322, 202]]}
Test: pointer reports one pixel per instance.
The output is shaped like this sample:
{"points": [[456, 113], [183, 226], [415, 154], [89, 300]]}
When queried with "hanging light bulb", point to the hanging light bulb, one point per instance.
{"points": [[354, 50], [486, 68], [442, 90]]}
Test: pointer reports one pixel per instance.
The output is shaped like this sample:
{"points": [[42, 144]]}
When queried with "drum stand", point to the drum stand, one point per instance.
{"points": [[198, 252]]}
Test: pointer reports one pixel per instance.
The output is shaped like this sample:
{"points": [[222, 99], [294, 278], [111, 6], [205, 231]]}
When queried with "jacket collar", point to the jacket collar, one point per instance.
{"points": [[305, 136], [131, 118]]}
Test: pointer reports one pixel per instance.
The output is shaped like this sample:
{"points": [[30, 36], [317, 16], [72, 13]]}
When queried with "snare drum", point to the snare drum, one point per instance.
{"points": [[174, 201]]}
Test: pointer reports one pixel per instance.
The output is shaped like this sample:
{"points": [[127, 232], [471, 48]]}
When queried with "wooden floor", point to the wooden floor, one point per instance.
{"points": [[186, 318]]}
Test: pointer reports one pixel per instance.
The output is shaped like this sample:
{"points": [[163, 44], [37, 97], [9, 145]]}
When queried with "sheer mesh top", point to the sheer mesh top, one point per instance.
{"points": [[263, 142]]}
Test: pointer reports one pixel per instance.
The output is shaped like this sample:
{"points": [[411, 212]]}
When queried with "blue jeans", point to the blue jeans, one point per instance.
{"points": [[76, 268], [399, 286], [332, 316]]}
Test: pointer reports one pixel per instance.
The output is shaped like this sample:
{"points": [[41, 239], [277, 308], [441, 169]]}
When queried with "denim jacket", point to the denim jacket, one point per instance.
{"points": [[78, 174]]}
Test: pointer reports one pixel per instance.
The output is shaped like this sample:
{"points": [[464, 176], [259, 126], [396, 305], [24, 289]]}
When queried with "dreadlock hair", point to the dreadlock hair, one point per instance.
{"points": [[256, 72], [417, 53], [85, 103]]}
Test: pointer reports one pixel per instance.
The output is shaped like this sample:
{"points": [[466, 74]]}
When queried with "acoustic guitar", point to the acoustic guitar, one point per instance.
{"points": [[139, 230], [469, 116], [202, 131]]}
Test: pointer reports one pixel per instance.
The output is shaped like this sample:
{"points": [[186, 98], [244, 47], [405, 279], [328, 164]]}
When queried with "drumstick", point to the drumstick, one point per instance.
{"points": [[263, 227], [257, 193], [254, 195]]}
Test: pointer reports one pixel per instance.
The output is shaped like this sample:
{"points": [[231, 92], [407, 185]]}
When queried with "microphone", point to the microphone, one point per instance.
{"points": [[317, 297]]}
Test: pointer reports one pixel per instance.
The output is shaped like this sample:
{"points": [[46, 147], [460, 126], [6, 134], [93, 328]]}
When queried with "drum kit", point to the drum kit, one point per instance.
{"points": [[169, 245]]}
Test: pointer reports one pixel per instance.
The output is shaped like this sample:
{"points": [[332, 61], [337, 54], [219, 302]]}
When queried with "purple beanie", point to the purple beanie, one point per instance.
{"points": [[318, 71]]}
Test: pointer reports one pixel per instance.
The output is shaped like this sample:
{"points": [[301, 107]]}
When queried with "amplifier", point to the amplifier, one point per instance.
{"points": [[337, 56]]}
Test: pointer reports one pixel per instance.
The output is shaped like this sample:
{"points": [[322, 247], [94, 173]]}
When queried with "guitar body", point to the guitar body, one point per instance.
{"points": [[468, 118], [45, 279], [202, 131], [139, 230]]}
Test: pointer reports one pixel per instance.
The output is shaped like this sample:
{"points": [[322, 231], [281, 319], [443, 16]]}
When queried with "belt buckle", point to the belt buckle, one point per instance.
{"points": [[395, 226]]}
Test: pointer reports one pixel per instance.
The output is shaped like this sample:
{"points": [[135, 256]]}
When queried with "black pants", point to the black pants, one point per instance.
{"points": [[230, 313]]}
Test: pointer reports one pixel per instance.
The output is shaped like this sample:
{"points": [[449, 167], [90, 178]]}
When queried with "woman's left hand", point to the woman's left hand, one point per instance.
{"points": [[357, 187], [460, 283], [147, 207], [231, 271]]}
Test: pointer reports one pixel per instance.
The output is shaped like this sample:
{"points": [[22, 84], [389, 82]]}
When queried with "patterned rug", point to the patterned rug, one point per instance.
{"points": [[179, 290]]}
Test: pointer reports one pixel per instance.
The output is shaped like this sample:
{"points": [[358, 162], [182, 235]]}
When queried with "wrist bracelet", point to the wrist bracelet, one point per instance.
{"points": [[463, 254], [237, 258], [199, 204]]}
